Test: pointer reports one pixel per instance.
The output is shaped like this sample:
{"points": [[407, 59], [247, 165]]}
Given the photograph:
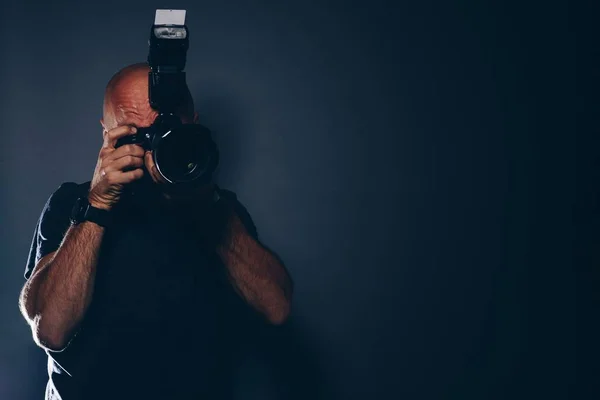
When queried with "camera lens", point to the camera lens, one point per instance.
{"points": [[183, 154]]}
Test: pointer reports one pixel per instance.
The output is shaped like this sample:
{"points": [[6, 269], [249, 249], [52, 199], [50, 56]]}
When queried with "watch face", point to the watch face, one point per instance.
{"points": [[78, 210]]}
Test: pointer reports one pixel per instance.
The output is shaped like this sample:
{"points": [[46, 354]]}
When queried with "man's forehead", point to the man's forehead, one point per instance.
{"points": [[133, 97], [130, 99], [134, 113]]}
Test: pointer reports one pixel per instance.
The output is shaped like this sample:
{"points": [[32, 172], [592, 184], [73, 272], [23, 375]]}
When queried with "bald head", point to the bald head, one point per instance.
{"points": [[126, 99]]}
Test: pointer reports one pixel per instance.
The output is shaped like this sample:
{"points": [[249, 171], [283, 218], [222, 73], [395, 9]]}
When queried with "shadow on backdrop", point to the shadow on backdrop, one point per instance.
{"points": [[291, 363], [282, 359]]}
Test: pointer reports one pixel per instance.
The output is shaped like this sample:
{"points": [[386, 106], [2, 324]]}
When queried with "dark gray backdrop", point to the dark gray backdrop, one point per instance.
{"points": [[408, 161]]}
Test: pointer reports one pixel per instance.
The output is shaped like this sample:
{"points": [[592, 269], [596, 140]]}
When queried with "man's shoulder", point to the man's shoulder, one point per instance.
{"points": [[62, 199], [232, 198], [226, 193], [69, 189], [74, 186]]}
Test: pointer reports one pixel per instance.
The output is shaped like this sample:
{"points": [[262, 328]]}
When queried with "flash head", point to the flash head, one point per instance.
{"points": [[168, 46]]}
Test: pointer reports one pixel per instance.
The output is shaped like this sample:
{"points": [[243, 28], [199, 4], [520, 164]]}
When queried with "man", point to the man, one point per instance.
{"points": [[153, 303]]}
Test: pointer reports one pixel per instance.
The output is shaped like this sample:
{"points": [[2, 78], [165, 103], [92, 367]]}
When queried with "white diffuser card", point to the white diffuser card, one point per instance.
{"points": [[169, 17]]}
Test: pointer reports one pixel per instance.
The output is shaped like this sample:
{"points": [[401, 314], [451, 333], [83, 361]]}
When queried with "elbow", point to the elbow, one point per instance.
{"points": [[51, 344], [48, 334], [280, 314], [44, 333], [49, 338]]}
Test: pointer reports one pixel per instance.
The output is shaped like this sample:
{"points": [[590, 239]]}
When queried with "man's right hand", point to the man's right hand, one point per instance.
{"points": [[116, 167]]}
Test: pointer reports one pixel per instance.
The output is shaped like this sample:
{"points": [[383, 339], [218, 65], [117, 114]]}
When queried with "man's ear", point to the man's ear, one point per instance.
{"points": [[102, 123], [196, 118]]}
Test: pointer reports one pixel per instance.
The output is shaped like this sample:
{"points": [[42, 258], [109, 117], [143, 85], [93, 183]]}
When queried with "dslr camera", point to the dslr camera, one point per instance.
{"points": [[184, 154]]}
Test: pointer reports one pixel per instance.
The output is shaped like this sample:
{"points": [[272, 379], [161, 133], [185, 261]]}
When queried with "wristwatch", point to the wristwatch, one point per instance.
{"points": [[84, 211]]}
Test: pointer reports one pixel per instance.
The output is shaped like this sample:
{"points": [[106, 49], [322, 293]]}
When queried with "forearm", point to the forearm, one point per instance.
{"points": [[59, 292], [257, 274]]}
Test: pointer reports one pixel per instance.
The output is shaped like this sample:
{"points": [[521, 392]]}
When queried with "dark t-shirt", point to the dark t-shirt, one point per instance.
{"points": [[164, 322]]}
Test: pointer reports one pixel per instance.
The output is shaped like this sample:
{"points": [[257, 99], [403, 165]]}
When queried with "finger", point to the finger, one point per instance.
{"points": [[119, 178], [124, 163], [111, 137], [151, 166], [132, 175], [126, 150], [149, 160]]}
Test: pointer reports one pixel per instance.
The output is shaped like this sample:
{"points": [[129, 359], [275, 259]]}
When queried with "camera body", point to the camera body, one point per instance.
{"points": [[184, 154]]}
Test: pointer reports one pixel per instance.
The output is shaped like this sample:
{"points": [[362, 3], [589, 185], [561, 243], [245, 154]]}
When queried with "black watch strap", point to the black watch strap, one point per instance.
{"points": [[83, 211]]}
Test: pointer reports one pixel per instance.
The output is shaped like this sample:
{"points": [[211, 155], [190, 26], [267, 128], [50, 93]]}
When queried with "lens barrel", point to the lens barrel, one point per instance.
{"points": [[185, 154]]}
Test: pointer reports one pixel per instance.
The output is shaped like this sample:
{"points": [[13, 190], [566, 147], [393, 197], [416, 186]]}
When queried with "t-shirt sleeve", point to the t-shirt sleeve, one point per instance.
{"points": [[51, 225], [241, 212], [246, 219]]}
